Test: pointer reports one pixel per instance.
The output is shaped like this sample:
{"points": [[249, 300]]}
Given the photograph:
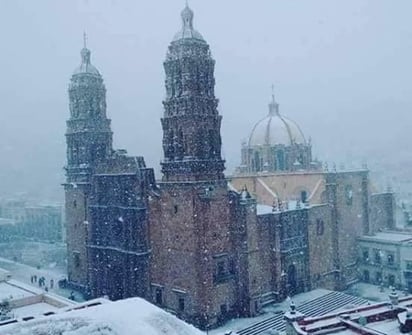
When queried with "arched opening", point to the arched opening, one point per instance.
{"points": [[303, 196], [280, 160], [257, 162]]}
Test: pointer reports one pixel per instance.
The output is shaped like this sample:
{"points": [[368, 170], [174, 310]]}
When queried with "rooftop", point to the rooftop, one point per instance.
{"points": [[124, 317], [380, 318], [389, 237]]}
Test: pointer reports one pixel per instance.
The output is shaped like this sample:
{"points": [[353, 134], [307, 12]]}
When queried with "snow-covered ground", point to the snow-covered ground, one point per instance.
{"points": [[23, 273], [133, 316], [8, 292]]}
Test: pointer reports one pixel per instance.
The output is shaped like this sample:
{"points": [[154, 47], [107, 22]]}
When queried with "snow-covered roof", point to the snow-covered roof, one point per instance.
{"points": [[263, 209], [349, 321], [133, 316], [388, 237], [290, 205]]}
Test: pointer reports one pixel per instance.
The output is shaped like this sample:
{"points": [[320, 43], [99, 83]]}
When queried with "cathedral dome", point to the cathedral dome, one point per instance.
{"points": [[276, 129], [187, 31]]}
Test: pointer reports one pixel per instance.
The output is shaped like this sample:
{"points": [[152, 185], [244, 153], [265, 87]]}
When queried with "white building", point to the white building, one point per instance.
{"points": [[386, 258]]}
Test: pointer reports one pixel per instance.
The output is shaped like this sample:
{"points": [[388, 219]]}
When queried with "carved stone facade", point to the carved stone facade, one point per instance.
{"points": [[194, 218], [191, 123]]}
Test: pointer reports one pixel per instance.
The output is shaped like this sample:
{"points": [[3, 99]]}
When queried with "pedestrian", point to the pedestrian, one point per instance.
{"points": [[46, 289], [51, 283], [32, 279], [35, 278]]}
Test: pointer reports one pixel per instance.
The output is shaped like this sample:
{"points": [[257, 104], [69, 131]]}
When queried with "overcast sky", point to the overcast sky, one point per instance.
{"points": [[342, 70]]}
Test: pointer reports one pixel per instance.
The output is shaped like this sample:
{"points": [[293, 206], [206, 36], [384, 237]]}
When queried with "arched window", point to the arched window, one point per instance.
{"points": [[257, 162], [303, 196], [280, 160]]}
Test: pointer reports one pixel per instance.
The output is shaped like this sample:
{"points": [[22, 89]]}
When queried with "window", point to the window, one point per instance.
{"points": [[391, 258], [181, 303], [378, 277], [349, 195], [377, 256], [320, 227], [159, 296], [76, 256], [224, 269], [221, 269], [303, 196], [280, 160], [365, 255], [223, 310], [366, 276]]}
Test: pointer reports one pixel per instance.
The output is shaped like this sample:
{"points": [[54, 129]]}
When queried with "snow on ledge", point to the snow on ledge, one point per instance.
{"points": [[133, 316]]}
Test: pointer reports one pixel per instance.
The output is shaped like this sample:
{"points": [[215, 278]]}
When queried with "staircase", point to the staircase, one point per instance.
{"points": [[317, 307]]}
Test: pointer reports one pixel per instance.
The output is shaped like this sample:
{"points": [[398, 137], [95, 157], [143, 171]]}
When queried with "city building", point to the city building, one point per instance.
{"points": [[33, 221], [385, 259]]}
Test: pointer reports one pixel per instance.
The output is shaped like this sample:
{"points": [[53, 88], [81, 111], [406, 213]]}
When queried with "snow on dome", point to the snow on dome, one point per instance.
{"points": [[187, 31], [276, 129], [133, 316]]}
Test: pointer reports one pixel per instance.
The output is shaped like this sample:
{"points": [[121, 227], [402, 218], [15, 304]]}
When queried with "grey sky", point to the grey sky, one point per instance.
{"points": [[342, 70]]}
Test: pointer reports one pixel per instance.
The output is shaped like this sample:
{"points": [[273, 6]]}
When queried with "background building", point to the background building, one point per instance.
{"points": [[386, 259]]}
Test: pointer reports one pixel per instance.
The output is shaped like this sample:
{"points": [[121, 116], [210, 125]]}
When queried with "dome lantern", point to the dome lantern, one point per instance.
{"points": [[187, 31], [86, 67]]}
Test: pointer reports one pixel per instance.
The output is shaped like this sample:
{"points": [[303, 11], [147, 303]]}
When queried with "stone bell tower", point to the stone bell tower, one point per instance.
{"points": [[89, 142], [191, 123], [193, 214]]}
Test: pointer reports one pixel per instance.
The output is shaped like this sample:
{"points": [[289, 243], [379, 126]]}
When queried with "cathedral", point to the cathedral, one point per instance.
{"points": [[205, 246]]}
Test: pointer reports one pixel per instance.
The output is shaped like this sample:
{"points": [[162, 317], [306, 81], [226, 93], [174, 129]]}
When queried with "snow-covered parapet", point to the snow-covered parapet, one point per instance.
{"points": [[124, 317]]}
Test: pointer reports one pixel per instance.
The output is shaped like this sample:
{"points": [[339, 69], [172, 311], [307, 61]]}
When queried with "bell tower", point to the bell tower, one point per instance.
{"points": [[193, 214], [191, 123], [89, 142]]}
